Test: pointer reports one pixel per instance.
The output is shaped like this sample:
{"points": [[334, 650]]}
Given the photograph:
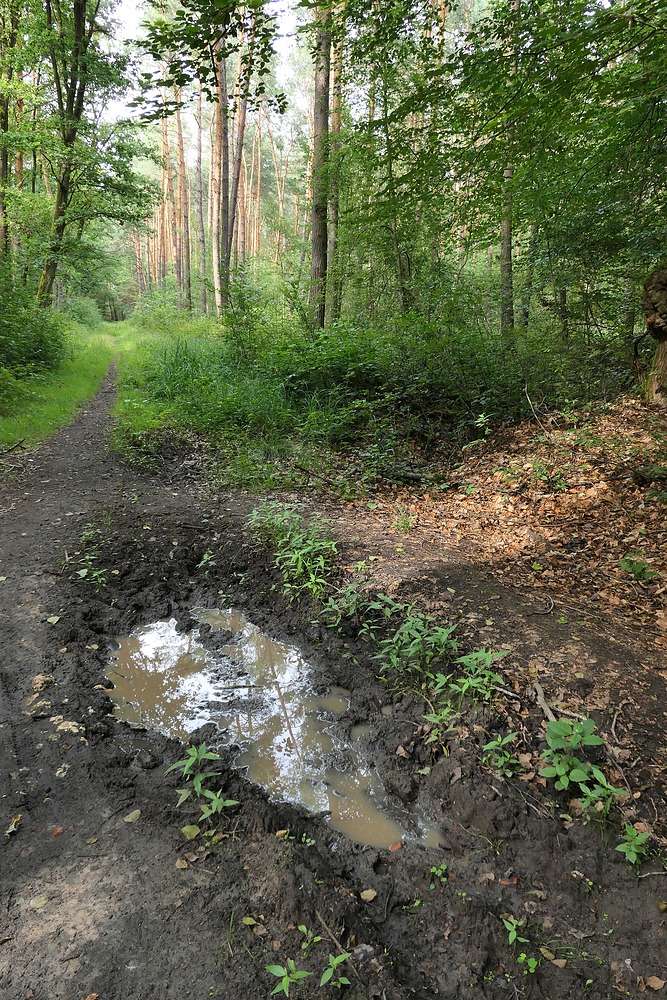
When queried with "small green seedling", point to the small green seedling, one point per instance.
{"points": [[634, 844], [512, 926], [530, 963], [330, 974], [637, 568], [498, 757], [288, 974], [439, 874], [215, 804], [310, 939], [564, 738]]}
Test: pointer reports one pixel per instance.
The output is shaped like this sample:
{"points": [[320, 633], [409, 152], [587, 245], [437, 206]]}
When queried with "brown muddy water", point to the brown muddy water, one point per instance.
{"points": [[259, 693]]}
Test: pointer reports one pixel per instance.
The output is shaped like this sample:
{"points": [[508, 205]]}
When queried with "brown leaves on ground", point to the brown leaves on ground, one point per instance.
{"points": [[566, 508]]}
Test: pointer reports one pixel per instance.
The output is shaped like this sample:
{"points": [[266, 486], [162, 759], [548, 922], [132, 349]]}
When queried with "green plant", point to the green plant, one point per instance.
{"points": [[637, 568], [439, 874], [633, 844], [330, 974], [310, 938], [476, 680], [552, 478], [532, 964], [442, 722], [304, 551], [563, 739], [497, 756], [416, 645], [512, 926], [404, 520], [192, 767], [288, 974]]}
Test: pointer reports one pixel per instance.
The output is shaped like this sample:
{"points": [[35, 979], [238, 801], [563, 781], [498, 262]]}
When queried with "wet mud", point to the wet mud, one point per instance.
{"points": [[103, 896]]}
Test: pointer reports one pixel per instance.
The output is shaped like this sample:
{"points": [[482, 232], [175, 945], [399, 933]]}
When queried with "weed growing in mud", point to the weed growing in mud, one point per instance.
{"points": [[193, 769], [288, 974], [563, 739], [416, 646], [439, 875], [304, 551], [499, 758], [633, 844], [330, 974], [310, 939], [404, 520]]}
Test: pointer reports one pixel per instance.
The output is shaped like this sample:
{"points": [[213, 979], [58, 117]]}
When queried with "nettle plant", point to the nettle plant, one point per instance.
{"points": [[565, 739], [193, 766], [304, 550]]}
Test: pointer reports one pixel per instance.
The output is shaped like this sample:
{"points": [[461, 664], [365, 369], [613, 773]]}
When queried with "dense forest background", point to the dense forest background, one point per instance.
{"points": [[389, 226]]}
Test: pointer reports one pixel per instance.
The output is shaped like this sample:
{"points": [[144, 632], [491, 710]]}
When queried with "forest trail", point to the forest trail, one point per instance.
{"points": [[93, 903]]}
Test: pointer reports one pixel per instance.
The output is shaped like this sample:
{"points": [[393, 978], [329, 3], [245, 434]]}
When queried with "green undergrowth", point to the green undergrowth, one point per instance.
{"points": [[416, 655], [36, 405], [281, 406]]}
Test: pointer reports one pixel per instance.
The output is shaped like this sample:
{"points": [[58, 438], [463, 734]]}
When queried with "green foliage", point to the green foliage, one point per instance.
{"points": [[637, 568], [304, 550], [289, 976], [499, 757], [193, 768], [32, 340], [310, 939], [331, 974], [564, 739], [634, 844]]}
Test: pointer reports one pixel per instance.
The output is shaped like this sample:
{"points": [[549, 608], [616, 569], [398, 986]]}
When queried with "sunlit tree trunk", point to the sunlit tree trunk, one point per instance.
{"points": [[9, 24], [506, 259], [199, 206], [183, 208], [320, 197]]}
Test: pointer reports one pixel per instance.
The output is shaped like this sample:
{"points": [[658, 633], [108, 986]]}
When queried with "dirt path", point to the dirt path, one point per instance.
{"points": [[94, 905]]}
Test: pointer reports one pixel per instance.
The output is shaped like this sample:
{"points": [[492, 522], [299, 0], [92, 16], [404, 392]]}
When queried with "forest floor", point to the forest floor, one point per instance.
{"points": [[102, 898]]}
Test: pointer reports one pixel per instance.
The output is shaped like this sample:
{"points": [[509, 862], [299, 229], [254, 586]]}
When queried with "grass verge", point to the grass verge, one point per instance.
{"points": [[50, 401]]}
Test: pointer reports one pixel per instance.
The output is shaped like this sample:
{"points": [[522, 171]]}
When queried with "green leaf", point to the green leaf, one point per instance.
{"points": [[191, 831]]}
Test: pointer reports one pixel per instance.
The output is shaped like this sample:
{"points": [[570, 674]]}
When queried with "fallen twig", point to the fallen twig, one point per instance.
{"points": [[12, 447], [335, 940]]}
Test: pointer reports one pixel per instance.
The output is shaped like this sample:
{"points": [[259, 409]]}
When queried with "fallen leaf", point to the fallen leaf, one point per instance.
{"points": [[508, 881], [249, 921], [57, 831], [13, 824], [549, 955], [655, 983], [402, 752], [93, 996], [181, 863], [190, 832], [662, 905], [397, 846], [559, 962], [485, 877], [132, 817], [2, 579], [191, 857], [456, 775], [368, 895], [53, 620], [91, 840], [281, 834], [39, 902]]}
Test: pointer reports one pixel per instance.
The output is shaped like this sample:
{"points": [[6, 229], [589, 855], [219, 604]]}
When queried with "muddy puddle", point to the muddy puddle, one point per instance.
{"points": [[259, 693]]}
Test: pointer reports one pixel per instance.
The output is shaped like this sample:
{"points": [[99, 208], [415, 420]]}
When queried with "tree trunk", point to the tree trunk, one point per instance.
{"points": [[654, 304], [506, 273], [199, 206], [183, 207], [320, 198], [335, 281]]}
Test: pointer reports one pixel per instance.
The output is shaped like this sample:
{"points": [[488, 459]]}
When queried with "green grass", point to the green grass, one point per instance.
{"points": [[51, 401]]}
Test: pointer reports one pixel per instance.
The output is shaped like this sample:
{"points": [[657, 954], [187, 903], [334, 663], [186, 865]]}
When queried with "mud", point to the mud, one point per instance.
{"points": [[102, 896]]}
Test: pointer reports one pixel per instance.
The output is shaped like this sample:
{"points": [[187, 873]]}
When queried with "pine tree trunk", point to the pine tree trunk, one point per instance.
{"points": [[199, 206], [183, 207], [320, 198]]}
